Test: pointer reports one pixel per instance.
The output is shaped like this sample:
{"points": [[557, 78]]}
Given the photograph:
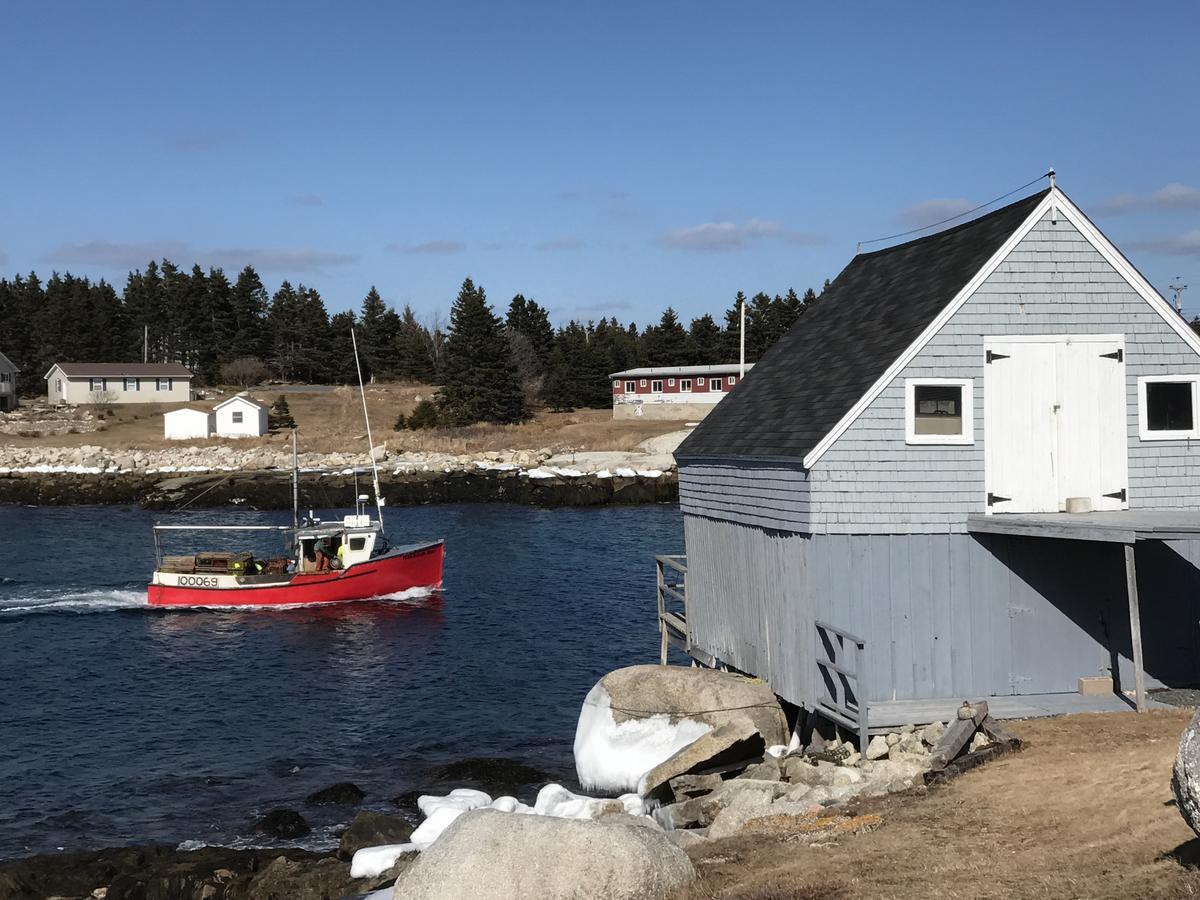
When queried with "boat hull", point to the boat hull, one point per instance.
{"points": [[390, 573]]}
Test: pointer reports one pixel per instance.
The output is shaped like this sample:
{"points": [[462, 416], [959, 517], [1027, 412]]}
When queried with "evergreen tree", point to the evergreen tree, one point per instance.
{"points": [[413, 349], [666, 344], [480, 380], [706, 342], [377, 336], [249, 301], [528, 318], [279, 416], [339, 349]]}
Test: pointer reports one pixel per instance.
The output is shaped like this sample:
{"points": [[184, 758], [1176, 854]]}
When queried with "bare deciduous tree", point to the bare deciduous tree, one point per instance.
{"points": [[244, 371]]}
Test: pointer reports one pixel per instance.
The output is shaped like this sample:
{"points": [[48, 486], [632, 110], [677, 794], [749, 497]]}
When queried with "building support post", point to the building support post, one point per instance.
{"points": [[1135, 627]]}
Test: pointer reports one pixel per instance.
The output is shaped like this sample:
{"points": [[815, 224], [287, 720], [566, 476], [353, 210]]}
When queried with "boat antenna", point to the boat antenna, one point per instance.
{"points": [[370, 441], [295, 483]]}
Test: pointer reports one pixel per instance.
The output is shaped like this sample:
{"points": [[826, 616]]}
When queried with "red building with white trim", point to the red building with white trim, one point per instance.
{"points": [[672, 392]]}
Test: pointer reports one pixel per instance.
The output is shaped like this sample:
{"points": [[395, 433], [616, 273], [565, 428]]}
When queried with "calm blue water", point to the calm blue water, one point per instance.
{"points": [[120, 724]]}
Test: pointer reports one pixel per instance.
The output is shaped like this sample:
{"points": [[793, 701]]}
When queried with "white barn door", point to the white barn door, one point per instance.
{"points": [[1054, 422]]}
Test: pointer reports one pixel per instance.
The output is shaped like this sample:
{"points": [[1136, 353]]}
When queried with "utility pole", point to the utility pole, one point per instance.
{"points": [[742, 356], [145, 343], [1178, 289]]}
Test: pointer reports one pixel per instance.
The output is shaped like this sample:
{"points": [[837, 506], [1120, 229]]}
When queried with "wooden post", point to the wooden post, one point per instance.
{"points": [[1135, 628], [662, 625]]}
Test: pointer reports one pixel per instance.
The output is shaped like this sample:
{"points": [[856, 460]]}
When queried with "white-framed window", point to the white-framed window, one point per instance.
{"points": [[131, 384], [58, 386], [731, 379], [656, 386], [699, 382], [237, 417], [630, 387], [939, 411], [162, 384], [643, 382], [4, 377], [715, 385], [616, 385], [670, 382], [685, 385], [1167, 407], [97, 384]]}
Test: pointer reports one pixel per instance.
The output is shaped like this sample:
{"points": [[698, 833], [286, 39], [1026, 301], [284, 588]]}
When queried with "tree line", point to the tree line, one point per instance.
{"points": [[490, 365]]}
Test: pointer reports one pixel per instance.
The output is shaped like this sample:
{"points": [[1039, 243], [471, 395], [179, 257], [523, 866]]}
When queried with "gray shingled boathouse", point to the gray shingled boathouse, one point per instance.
{"points": [[876, 518]]}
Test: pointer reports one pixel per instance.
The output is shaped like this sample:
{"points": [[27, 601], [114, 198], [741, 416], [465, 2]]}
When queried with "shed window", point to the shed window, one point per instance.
{"points": [[699, 382], [670, 382], [643, 382], [630, 387], [685, 385], [939, 411], [616, 385], [1167, 407], [237, 417], [731, 379], [656, 386]]}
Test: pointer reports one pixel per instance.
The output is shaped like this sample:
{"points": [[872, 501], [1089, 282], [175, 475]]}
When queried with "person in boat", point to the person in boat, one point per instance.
{"points": [[325, 554]]}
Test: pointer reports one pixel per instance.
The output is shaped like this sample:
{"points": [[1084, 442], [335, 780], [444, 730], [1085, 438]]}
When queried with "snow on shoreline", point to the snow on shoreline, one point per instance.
{"points": [[553, 800]]}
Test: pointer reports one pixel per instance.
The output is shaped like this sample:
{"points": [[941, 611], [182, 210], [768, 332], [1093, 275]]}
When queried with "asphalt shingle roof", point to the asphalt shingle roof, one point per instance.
{"points": [[827, 361], [120, 370]]}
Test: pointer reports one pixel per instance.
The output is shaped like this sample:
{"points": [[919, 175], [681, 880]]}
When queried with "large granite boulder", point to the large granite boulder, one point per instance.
{"points": [[1185, 779], [635, 718], [490, 855]]}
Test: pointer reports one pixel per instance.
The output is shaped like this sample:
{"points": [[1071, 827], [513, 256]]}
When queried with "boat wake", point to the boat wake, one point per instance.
{"points": [[73, 601]]}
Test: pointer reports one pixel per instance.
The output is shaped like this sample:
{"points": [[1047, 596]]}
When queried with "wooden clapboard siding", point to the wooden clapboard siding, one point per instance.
{"points": [[769, 495], [943, 615], [1054, 282]]}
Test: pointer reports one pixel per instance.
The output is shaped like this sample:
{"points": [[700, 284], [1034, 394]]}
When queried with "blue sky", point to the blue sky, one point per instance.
{"points": [[603, 158]]}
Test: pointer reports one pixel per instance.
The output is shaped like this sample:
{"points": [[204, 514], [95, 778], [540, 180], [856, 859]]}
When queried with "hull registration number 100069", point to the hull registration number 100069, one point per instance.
{"points": [[207, 581]]}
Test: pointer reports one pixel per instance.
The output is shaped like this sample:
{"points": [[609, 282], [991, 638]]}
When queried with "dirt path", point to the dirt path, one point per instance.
{"points": [[1084, 811]]}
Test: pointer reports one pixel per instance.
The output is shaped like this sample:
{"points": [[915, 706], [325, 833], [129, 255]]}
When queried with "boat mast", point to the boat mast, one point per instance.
{"points": [[370, 441], [295, 482]]}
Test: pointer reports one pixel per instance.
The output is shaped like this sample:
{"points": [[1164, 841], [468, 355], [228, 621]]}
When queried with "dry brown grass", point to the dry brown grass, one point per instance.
{"points": [[1085, 811], [332, 421]]}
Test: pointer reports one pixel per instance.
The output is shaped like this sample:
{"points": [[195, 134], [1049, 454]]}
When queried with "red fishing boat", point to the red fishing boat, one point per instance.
{"points": [[333, 562]]}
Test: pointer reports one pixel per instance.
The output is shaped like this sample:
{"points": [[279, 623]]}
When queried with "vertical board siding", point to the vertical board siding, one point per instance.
{"points": [[943, 615], [1054, 282], [752, 493]]}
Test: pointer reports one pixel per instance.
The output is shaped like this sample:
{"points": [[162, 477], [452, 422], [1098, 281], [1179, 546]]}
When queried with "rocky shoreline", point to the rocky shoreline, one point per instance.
{"points": [[272, 489], [260, 477]]}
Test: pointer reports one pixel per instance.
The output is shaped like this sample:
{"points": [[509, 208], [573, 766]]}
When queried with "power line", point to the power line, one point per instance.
{"points": [[960, 215]]}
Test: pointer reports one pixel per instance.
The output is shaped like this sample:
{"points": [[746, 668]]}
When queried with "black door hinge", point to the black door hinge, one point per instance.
{"points": [[994, 356], [996, 498], [1117, 495], [1118, 355]]}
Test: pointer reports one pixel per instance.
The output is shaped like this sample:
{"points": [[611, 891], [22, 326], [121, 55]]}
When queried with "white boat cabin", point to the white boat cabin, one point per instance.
{"points": [[351, 542]]}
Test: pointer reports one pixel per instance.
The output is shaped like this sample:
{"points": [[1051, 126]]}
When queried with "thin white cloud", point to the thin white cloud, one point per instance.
{"points": [[308, 200], [277, 259], [928, 212], [558, 244], [117, 254], [1187, 244], [1173, 196], [710, 237], [135, 255], [435, 247]]}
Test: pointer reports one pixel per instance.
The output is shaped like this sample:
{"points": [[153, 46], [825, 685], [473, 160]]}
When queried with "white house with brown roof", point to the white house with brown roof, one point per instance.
{"points": [[239, 416], [8, 384], [81, 383]]}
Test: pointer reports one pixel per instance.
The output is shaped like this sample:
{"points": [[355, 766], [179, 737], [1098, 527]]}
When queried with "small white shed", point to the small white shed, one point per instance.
{"points": [[186, 424], [240, 416]]}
